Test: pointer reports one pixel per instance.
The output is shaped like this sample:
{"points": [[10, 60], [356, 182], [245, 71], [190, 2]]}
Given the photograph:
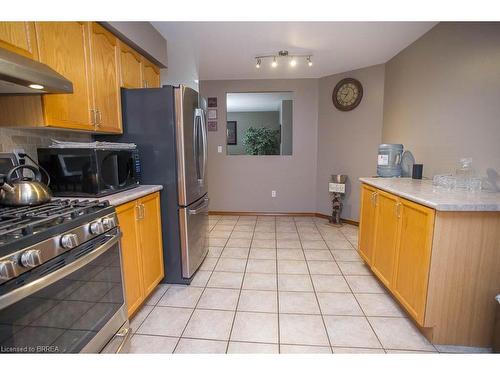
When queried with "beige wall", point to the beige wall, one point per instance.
{"points": [[31, 139], [442, 97], [348, 141], [244, 183]]}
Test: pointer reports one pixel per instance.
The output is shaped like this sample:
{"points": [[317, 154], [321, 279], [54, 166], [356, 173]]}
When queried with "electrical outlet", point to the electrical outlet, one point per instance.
{"points": [[18, 151], [219, 149], [273, 193]]}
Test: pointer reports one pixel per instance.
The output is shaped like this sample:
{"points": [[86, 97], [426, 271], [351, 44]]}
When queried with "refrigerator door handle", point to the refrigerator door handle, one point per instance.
{"points": [[200, 208], [205, 142], [198, 120]]}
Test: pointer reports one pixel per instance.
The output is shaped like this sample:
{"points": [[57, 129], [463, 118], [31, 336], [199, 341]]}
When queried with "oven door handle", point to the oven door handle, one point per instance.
{"points": [[18, 294]]}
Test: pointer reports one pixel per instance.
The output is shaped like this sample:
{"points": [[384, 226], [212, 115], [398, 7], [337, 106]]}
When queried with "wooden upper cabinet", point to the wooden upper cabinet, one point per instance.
{"points": [[64, 46], [131, 67], [151, 240], [386, 235], [367, 222], [413, 257], [150, 74], [105, 53], [19, 37]]}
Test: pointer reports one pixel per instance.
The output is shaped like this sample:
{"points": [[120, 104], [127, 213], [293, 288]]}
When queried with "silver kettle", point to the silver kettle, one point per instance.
{"points": [[24, 191]]}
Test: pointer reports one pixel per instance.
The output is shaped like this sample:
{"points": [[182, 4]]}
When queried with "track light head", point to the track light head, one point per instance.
{"points": [[274, 64], [293, 62], [258, 64], [309, 61]]}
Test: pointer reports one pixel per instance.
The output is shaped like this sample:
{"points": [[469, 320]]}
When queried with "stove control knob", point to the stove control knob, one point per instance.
{"points": [[95, 228], [108, 223], [7, 270], [68, 241], [31, 258]]}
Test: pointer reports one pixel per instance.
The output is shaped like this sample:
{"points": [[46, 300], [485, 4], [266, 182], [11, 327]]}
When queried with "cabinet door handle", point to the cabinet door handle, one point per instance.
{"points": [[137, 212], [374, 198], [398, 209], [99, 116], [140, 211], [145, 83], [94, 118]]}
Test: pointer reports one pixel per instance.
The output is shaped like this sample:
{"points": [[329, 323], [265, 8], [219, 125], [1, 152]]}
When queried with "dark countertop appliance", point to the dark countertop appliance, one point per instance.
{"points": [[169, 128], [90, 172]]}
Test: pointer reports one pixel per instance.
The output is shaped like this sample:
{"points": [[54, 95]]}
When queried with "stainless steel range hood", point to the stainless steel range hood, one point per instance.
{"points": [[21, 75]]}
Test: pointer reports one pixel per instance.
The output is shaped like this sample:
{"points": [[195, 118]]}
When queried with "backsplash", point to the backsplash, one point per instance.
{"points": [[31, 139]]}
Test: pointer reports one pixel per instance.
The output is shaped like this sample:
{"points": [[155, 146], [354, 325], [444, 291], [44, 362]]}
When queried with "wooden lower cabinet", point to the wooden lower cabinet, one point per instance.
{"points": [[151, 240], [367, 222], [385, 236], [442, 267], [412, 258], [131, 256], [142, 250]]}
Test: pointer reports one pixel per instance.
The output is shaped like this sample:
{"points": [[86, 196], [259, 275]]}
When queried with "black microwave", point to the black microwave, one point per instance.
{"points": [[82, 172]]}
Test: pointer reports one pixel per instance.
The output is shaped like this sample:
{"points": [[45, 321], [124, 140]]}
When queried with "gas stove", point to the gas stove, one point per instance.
{"points": [[61, 283], [30, 236]]}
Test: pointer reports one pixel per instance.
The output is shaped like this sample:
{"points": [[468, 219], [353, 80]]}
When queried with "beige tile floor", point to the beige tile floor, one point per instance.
{"points": [[277, 285]]}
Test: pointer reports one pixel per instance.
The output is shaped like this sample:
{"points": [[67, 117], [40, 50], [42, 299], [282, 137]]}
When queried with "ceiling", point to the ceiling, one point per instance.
{"points": [[256, 101], [226, 50]]}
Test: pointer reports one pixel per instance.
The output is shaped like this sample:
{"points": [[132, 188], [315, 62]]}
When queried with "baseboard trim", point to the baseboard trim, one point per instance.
{"points": [[270, 213]]}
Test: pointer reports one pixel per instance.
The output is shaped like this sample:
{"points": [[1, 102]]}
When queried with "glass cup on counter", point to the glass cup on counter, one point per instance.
{"points": [[447, 182], [475, 184]]}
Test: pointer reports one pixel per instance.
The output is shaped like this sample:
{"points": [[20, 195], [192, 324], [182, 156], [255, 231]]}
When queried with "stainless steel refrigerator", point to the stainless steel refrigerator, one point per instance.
{"points": [[169, 127]]}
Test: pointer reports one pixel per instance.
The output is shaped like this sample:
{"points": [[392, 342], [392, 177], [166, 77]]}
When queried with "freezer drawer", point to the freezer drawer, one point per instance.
{"points": [[194, 235]]}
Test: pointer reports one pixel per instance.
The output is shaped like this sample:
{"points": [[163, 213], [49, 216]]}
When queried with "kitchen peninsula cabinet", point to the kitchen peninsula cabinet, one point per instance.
{"points": [[142, 250], [437, 253]]}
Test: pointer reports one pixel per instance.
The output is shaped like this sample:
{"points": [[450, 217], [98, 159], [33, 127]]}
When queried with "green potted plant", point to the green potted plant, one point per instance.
{"points": [[262, 141]]}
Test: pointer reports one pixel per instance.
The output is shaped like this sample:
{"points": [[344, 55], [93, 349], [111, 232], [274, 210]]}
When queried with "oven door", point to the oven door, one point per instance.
{"points": [[74, 303], [117, 169]]}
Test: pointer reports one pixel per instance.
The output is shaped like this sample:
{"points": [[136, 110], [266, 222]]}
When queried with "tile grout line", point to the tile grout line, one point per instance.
{"points": [[314, 288], [354, 295], [241, 286], [277, 285], [199, 298]]}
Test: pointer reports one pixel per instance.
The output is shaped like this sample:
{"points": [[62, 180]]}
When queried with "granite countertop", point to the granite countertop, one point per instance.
{"points": [[126, 195], [423, 192]]}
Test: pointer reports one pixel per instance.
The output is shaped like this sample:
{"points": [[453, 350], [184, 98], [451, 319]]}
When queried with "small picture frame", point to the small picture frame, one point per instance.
{"points": [[212, 102], [231, 133], [212, 114], [212, 126]]}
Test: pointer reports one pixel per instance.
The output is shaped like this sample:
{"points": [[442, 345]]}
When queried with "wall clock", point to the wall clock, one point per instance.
{"points": [[347, 94]]}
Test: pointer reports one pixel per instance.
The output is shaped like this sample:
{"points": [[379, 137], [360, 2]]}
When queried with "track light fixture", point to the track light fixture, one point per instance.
{"points": [[293, 59]]}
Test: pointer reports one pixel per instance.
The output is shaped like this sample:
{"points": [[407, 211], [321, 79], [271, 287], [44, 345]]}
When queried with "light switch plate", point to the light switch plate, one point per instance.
{"points": [[219, 149]]}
